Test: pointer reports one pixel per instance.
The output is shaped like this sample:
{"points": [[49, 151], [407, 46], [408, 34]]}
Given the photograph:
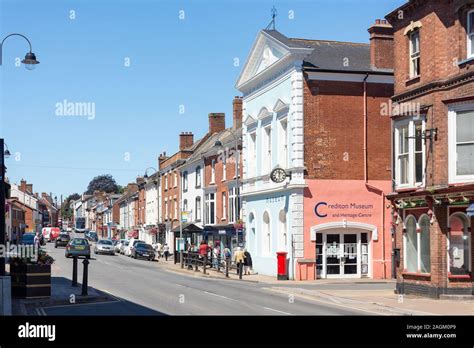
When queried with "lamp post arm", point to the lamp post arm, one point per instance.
{"points": [[6, 37]]}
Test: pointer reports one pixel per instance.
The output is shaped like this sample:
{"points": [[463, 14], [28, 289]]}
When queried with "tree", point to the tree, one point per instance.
{"points": [[104, 183], [66, 213]]}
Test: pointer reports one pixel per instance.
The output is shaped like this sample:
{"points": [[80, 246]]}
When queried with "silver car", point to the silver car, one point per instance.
{"points": [[104, 246], [123, 246]]}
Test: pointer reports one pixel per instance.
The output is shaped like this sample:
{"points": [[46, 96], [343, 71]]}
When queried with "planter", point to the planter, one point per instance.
{"points": [[31, 280]]}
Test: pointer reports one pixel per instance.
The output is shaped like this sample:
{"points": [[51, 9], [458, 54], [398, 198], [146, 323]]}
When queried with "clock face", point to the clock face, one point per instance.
{"points": [[278, 175]]}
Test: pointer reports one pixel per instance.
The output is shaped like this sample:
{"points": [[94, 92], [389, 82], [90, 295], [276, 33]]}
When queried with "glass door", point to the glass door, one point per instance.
{"points": [[350, 259], [333, 254]]}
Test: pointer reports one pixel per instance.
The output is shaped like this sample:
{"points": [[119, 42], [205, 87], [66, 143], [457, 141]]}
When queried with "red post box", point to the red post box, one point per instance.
{"points": [[282, 273]]}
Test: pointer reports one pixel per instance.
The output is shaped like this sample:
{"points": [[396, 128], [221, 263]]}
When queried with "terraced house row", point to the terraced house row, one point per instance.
{"points": [[356, 159]]}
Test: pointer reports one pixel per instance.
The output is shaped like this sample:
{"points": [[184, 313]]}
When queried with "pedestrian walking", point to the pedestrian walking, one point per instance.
{"points": [[247, 262], [216, 251], [37, 240], [159, 249], [166, 251], [239, 258]]}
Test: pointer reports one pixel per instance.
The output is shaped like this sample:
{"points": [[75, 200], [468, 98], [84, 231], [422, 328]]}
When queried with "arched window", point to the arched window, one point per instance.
{"points": [[266, 236], [252, 239], [425, 259], [198, 209], [459, 250], [282, 233], [411, 245], [198, 176]]}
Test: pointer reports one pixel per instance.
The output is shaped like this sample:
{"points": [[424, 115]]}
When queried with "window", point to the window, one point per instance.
{"points": [[470, 34], [224, 168], [266, 235], [283, 143], [224, 206], [234, 204], [282, 233], [166, 182], [175, 208], [459, 250], [166, 210], [198, 208], [213, 171], [415, 54], [198, 176], [409, 153], [252, 155], [175, 179], [461, 144], [185, 205], [185, 181], [210, 209], [417, 245], [267, 150]]}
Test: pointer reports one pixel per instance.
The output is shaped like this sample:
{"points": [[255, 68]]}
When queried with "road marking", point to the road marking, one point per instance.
{"points": [[40, 311], [221, 296], [275, 310]]}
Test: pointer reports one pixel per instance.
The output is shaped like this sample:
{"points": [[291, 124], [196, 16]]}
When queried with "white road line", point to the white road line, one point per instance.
{"points": [[221, 296], [275, 310]]}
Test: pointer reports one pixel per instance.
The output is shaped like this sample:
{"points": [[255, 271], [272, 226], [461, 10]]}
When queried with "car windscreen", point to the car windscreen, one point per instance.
{"points": [[144, 246], [79, 242], [107, 242]]}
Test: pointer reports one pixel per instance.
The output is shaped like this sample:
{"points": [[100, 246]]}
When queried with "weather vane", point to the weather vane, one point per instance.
{"points": [[272, 23]]}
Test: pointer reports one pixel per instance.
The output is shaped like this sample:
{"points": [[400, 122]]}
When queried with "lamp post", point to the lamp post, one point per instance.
{"points": [[4, 153], [30, 58], [218, 145]]}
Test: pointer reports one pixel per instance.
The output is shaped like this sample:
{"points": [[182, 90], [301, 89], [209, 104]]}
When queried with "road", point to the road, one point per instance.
{"points": [[144, 288]]}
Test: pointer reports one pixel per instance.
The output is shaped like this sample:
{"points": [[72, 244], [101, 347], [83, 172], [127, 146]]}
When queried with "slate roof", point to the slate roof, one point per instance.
{"points": [[330, 55]]}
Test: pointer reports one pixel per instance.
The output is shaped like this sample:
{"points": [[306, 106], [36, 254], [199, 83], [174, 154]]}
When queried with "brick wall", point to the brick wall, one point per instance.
{"points": [[334, 130]]}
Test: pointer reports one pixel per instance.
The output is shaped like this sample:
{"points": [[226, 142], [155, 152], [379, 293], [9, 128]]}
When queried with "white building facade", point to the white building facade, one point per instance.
{"points": [[272, 87]]}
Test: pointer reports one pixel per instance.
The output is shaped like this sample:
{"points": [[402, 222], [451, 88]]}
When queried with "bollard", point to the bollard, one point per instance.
{"points": [[84, 277], [74, 271], [181, 259], [204, 263], [196, 260], [227, 268], [240, 269], [218, 263]]}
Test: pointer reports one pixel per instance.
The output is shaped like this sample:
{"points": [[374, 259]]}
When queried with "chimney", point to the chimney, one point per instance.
{"points": [[186, 140], [161, 158], [216, 122], [237, 112], [23, 185], [381, 45], [29, 188]]}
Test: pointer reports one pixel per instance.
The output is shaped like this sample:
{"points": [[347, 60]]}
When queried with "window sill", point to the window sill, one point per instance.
{"points": [[459, 277], [412, 80], [469, 60], [416, 274]]}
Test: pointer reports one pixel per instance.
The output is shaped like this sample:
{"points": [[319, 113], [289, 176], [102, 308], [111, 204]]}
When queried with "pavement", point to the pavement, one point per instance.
{"points": [[119, 285]]}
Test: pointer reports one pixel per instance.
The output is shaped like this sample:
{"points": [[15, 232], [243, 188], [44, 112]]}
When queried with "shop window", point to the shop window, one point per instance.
{"points": [[411, 246], [459, 250], [319, 254], [425, 259]]}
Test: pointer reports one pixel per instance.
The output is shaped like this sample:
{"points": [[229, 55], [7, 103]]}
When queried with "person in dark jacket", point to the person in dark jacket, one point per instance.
{"points": [[247, 262]]}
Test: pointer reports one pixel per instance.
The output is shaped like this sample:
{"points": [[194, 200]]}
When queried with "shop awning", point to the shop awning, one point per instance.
{"points": [[228, 229], [188, 228]]}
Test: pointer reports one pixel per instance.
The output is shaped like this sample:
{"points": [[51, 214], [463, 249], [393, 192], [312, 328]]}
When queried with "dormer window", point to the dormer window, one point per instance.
{"points": [[414, 54], [470, 34]]}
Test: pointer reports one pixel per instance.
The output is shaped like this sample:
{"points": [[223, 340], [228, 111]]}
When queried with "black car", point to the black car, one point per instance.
{"points": [[62, 240], [143, 251]]}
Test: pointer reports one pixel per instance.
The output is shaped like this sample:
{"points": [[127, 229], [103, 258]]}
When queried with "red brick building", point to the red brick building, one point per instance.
{"points": [[433, 146]]}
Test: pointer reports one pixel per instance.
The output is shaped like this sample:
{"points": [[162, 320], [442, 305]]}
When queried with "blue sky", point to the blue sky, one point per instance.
{"points": [[173, 62]]}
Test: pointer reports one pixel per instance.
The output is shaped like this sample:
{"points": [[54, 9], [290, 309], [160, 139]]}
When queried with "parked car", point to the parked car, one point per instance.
{"points": [[104, 246], [123, 246], [91, 236], [62, 240], [78, 247], [50, 233], [143, 250], [131, 245], [118, 245]]}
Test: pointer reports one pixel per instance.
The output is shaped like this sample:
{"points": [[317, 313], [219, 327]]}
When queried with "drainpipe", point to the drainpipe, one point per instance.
{"points": [[365, 128]]}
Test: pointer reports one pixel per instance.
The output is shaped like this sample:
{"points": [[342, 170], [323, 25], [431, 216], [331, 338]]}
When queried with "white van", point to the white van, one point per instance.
{"points": [[131, 243]]}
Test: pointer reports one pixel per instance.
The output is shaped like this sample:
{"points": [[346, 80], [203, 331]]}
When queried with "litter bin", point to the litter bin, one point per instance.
{"points": [[282, 272]]}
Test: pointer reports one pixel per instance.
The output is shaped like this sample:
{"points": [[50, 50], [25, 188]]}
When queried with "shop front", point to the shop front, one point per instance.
{"points": [[227, 235], [347, 230]]}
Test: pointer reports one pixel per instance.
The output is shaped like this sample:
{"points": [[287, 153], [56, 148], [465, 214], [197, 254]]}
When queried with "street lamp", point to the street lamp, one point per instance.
{"points": [[30, 58], [4, 152]]}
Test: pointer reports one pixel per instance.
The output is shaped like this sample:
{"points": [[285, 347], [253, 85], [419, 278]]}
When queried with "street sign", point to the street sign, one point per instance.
{"points": [[185, 216]]}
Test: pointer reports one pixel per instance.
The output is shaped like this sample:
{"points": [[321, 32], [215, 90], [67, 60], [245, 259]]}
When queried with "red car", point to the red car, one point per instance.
{"points": [[50, 234]]}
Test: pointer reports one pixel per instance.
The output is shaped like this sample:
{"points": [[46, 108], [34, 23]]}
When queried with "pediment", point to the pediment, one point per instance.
{"points": [[265, 53], [263, 113], [249, 120], [280, 106]]}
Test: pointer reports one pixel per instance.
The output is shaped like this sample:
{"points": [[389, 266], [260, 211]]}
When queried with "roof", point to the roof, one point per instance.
{"points": [[331, 55]]}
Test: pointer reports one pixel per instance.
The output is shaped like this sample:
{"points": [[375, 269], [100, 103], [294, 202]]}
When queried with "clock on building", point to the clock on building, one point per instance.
{"points": [[278, 175]]}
